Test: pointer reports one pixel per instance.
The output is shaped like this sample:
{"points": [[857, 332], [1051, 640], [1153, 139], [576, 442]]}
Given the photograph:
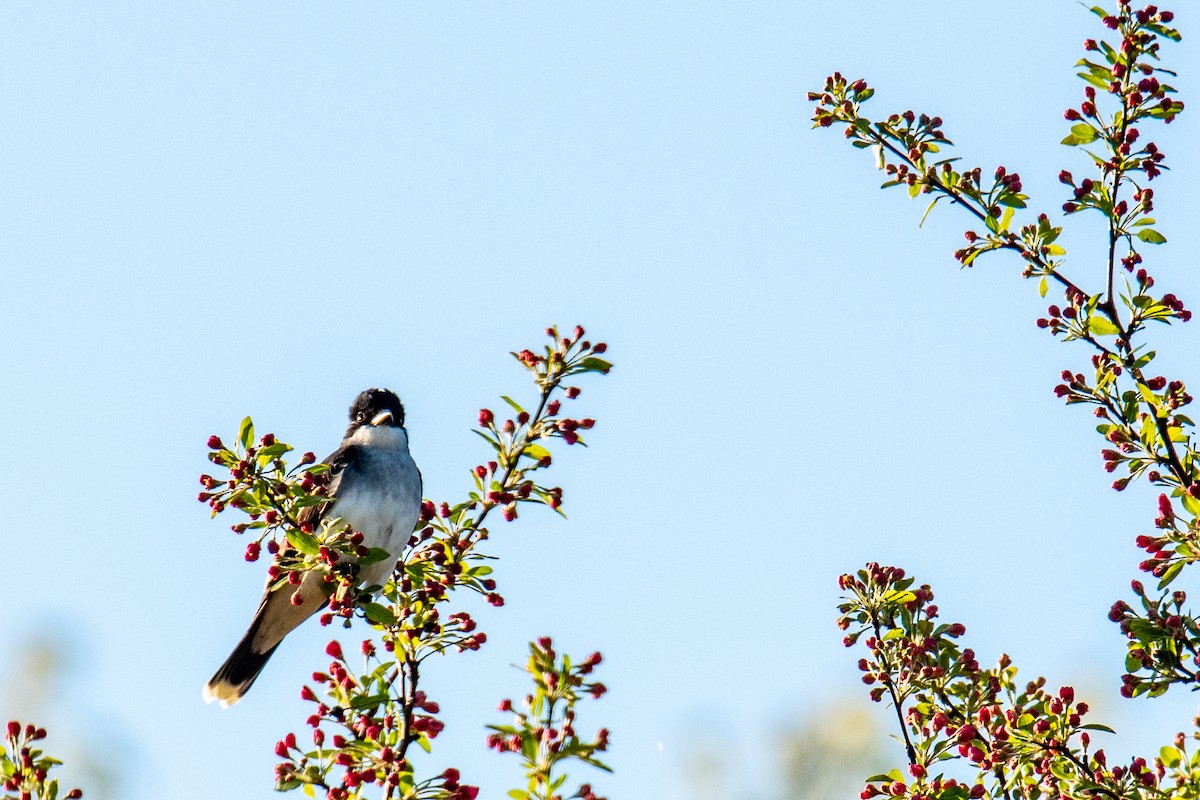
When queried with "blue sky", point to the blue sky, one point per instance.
{"points": [[213, 210]]}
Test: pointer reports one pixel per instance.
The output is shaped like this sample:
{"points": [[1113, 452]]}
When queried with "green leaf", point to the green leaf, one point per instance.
{"points": [[272, 451], [1151, 236], [495, 445], [379, 614], [369, 701], [1145, 630], [932, 203], [1170, 757], [1102, 326], [1191, 504], [374, 556], [1006, 220], [518, 794], [1012, 200], [535, 451], [1094, 80], [304, 542], [1056, 250], [593, 364], [246, 433], [512, 403], [1081, 133], [1084, 131], [1171, 573], [1043, 286], [1096, 726], [1144, 221]]}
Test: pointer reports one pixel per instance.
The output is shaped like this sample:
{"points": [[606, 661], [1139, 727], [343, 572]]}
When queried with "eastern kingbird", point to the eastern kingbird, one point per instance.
{"points": [[375, 488]]}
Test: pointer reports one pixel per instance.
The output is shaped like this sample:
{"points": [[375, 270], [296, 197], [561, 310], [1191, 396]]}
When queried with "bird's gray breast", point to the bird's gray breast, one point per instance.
{"points": [[379, 495]]}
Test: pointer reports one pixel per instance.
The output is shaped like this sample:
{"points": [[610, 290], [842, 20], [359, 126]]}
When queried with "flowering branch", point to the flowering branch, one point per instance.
{"points": [[1035, 748], [543, 733], [25, 769], [1140, 413], [369, 712], [1020, 740]]}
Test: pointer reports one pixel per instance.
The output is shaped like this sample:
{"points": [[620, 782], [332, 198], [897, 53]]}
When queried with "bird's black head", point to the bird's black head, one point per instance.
{"points": [[376, 407]]}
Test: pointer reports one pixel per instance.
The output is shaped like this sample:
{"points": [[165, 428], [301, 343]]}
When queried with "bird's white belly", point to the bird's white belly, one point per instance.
{"points": [[385, 516]]}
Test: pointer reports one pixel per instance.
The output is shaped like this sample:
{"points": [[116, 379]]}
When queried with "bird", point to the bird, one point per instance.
{"points": [[375, 488]]}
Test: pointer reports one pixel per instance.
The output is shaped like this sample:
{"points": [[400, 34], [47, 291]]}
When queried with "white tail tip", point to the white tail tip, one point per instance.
{"points": [[224, 693]]}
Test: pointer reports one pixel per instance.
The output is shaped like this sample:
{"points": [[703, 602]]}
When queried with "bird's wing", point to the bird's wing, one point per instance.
{"points": [[277, 615], [338, 461]]}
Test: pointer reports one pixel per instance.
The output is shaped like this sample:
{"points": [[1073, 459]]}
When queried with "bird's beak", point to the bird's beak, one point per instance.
{"points": [[383, 417]]}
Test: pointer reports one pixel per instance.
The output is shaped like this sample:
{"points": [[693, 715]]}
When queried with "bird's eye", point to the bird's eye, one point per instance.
{"points": [[361, 416]]}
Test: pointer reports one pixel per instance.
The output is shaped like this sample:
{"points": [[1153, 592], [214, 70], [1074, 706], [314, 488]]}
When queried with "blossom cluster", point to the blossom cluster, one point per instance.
{"points": [[25, 768], [542, 733]]}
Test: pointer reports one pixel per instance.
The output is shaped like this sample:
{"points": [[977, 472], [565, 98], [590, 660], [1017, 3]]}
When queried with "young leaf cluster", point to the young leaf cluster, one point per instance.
{"points": [[25, 768], [542, 733]]}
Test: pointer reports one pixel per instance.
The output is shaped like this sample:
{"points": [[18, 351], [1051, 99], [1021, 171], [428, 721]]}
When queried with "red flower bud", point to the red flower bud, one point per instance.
{"points": [[1164, 508]]}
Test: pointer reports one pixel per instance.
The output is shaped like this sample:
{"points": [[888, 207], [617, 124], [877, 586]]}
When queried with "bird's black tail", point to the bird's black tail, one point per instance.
{"points": [[237, 674]]}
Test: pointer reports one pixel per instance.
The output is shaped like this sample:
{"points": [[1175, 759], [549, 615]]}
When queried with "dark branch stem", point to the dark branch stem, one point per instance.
{"points": [[891, 687], [409, 687]]}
